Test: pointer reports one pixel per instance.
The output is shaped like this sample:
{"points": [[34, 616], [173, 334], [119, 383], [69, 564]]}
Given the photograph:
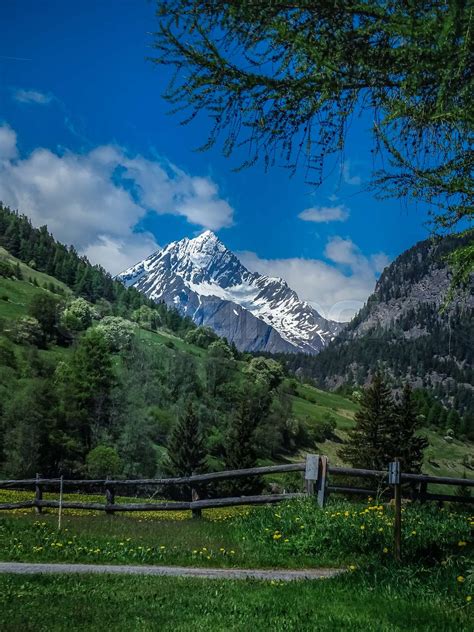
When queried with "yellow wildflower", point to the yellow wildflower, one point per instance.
{"points": [[460, 579]]}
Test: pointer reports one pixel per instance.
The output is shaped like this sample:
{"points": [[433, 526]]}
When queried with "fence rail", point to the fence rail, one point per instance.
{"points": [[316, 469]]}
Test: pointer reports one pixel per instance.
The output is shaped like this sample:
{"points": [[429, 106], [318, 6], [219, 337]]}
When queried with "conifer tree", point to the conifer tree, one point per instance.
{"points": [[240, 445], [369, 442], [403, 440], [186, 452], [86, 388]]}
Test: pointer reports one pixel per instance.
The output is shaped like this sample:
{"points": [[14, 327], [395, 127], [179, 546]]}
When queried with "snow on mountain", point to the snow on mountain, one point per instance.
{"points": [[206, 281]]}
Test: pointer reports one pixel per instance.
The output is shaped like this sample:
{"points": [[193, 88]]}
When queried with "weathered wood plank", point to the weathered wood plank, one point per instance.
{"points": [[243, 500], [178, 506], [438, 480], [23, 505]]}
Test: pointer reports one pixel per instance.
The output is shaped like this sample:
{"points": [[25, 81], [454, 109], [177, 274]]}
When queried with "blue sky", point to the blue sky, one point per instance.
{"points": [[86, 146]]}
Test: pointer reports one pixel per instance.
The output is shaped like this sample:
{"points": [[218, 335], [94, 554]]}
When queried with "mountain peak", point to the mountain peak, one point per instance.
{"points": [[203, 279], [207, 240]]}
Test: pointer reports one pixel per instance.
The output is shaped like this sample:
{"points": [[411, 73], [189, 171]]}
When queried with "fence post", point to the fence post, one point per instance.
{"points": [[322, 480], [109, 499], [311, 473], [197, 513], [422, 492], [38, 495], [394, 479]]}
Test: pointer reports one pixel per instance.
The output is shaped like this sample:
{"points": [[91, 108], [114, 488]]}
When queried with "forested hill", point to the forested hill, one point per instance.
{"points": [[404, 330], [95, 379], [38, 248]]}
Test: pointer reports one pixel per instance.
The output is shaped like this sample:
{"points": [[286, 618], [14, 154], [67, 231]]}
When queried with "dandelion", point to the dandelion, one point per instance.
{"points": [[385, 550], [469, 599], [462, 543], [413, 532], [352, 567], [362, 526], [460, 579], [276, 536]]}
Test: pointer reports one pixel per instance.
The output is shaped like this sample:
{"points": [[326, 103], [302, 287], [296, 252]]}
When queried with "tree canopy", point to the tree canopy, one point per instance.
{"points": [[284, 79]]}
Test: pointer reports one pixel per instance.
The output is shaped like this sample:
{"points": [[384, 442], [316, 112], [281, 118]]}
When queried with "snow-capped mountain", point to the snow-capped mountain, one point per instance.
{"points": [[206, 281]]}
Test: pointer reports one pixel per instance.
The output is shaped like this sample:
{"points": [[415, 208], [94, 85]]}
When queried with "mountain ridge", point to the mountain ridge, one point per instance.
{"points": [[206, 281]]}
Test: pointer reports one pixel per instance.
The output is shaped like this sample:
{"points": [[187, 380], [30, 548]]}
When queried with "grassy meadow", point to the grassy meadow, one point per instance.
{"points": [[432, 590]]}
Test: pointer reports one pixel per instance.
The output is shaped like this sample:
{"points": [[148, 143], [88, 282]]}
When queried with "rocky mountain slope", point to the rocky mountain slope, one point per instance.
{"points": [[404, 330], [206, 281]]}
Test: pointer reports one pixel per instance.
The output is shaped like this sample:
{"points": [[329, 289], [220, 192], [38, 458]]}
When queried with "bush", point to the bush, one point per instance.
{"points": [[324, 429], [27, 330], [7, 270], [265, 371], [201, 337], [118, 332], [78, 315], [103, 461], [147, 317]]}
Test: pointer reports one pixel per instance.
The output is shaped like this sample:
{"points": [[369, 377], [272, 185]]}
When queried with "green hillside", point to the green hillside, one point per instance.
{"points": [[94, 376]]}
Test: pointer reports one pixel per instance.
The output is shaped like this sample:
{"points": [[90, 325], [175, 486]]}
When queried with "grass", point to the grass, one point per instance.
{"points": [[292, 535], [431, 591], [358, 601]]}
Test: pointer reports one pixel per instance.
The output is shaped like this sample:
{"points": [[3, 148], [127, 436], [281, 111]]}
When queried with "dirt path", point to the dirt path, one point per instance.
{"points": [[26, 568]]}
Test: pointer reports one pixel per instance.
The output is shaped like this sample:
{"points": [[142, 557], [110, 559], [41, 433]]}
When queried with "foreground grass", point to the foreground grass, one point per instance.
{"points": [[432, 591], [292, 535], [386, 601]]}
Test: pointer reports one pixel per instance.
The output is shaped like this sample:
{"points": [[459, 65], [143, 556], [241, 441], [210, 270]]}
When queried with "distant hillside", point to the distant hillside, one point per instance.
{"points": [[404, 331]]}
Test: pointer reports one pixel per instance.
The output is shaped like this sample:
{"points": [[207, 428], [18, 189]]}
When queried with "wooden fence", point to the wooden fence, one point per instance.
{"points": [[321, 479]]}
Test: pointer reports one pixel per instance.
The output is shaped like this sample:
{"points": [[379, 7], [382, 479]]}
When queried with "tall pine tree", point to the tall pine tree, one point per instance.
{"points": [[369, 442], [403, 440], [186, 452]]}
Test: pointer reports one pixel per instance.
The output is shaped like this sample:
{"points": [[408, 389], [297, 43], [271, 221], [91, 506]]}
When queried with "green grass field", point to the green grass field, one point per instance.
{"points": [[432, 590], [355, 602]]}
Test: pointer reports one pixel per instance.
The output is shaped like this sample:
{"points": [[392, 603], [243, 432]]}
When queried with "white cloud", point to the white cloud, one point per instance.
{"points": [[337, 289], [33, 96], [95, 200], [354, 180], [118, 254], [325, 214], [8, 149]]}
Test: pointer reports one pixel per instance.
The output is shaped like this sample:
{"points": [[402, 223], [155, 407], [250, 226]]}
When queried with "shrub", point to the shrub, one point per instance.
{"points": [[201, 337], [103, 461], [27, 330], [78, 315], [118, 332]]}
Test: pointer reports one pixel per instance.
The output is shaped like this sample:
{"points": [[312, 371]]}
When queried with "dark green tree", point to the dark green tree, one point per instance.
{"points": [[403, 439], [285, 79], [240, 443], [45, 308], [369, 445], [86, 388], [186, 451]]}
